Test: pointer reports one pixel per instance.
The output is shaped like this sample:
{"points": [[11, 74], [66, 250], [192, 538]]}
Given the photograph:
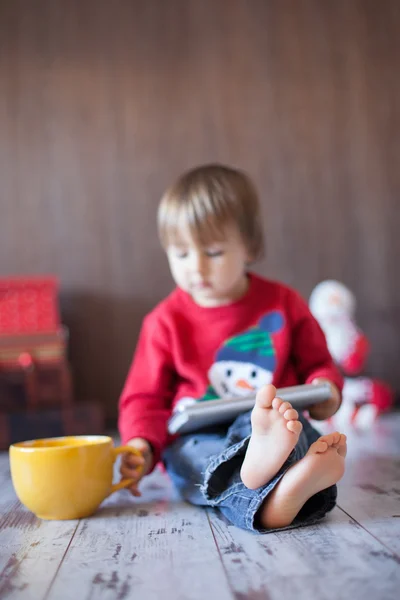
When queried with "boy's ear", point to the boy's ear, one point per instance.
{"points": [[249, 259]]}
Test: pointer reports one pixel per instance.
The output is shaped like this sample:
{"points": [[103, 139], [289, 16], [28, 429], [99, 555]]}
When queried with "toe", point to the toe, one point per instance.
{"points": [[284, 407], [277, 403], [319, 446], [341, 446], [330, 438], [341, 439], [291, 414], [265, 396], [294, 427]]}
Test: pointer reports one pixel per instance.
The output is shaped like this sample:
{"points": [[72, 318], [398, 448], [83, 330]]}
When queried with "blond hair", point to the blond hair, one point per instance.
{"points": [[207, 201]]}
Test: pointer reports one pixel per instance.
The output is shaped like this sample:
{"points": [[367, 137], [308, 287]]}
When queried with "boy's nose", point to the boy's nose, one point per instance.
{"points": [[199, 264]]}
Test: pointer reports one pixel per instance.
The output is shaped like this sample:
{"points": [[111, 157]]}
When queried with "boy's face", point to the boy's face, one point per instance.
{"points": [[213, 275]]}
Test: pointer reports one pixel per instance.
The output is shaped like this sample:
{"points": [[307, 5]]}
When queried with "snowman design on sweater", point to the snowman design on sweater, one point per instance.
{"points": [[244, 363]]}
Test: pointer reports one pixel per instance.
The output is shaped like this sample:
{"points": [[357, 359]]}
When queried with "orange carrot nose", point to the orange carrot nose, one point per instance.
{"points": [[242, 383]]}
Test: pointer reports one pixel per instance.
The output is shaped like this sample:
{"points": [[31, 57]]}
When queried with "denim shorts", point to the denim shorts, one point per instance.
{"points": [[205, 467]]}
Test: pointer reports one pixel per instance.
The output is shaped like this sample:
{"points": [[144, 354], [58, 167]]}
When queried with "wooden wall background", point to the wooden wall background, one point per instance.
{"points": [[103, 103]]}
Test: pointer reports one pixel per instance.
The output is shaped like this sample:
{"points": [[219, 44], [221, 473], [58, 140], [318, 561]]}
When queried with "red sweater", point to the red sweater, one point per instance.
{"points": [[267, 335]]}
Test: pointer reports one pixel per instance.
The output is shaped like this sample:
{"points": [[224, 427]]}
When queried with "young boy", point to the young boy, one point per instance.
{"points": [[225, 331]]}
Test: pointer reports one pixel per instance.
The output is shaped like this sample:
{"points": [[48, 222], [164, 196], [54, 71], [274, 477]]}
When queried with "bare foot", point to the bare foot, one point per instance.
{"points": [[321, 467], [275, 432]]}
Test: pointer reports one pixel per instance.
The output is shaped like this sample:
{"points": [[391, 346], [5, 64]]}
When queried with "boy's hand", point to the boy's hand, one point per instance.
{"points": [[136, 467], [326, 409]]}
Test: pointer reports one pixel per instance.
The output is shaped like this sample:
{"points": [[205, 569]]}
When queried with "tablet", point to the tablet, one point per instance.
{"points": [[192, 417]]}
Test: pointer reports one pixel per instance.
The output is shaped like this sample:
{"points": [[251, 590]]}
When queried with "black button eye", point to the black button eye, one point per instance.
{"points": [[253, 374], [228, 372]]}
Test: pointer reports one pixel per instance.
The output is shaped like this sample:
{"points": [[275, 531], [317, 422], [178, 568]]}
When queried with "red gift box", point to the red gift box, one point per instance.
{"points": [[29, 305], [36, 398], [40, 387], [23, 351], [30, 327], [32, 338]]}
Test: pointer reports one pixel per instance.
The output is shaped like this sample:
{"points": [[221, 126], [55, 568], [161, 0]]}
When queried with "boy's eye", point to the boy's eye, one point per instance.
{"points": [[181, 253], [214, 253]]}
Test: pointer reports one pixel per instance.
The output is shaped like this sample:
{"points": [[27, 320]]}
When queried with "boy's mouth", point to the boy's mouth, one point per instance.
{"points": [[201, 285]]}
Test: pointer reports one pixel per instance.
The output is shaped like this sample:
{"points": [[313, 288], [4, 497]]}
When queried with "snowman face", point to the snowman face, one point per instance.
{"points": [[231, 378]]}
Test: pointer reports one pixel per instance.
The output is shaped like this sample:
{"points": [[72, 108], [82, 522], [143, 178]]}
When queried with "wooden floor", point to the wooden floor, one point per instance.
{"points": [[158, 547]]}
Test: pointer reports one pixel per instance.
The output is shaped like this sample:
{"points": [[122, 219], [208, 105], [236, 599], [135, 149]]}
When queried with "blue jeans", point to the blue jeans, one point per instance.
{"points": [[205, 467]]}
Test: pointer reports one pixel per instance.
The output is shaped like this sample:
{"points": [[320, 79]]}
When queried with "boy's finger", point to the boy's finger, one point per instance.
{"points": [[131, 459], [133, 488], [134, 491], [133, 466], [128, 473]]}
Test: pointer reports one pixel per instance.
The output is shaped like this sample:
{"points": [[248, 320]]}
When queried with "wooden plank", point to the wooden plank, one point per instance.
{"points": [[30, 549], [370, 489], [371, 495], [382, 439], [152, 547], [158, 545], [333, 559], [337, 557], [4, 468]]}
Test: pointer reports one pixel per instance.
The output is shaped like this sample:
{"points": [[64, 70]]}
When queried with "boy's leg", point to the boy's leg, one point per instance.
{"points": [[274, 434], [206, 468], [301, 490], [187, 459], [275, 431], [319, 469]]}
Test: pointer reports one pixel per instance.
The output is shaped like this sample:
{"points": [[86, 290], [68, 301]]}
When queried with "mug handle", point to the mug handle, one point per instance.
{"points": [[125, 482]]}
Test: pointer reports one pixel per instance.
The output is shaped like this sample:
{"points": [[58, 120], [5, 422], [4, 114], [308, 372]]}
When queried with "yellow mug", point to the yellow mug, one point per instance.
{"points": [[66, 477]]}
